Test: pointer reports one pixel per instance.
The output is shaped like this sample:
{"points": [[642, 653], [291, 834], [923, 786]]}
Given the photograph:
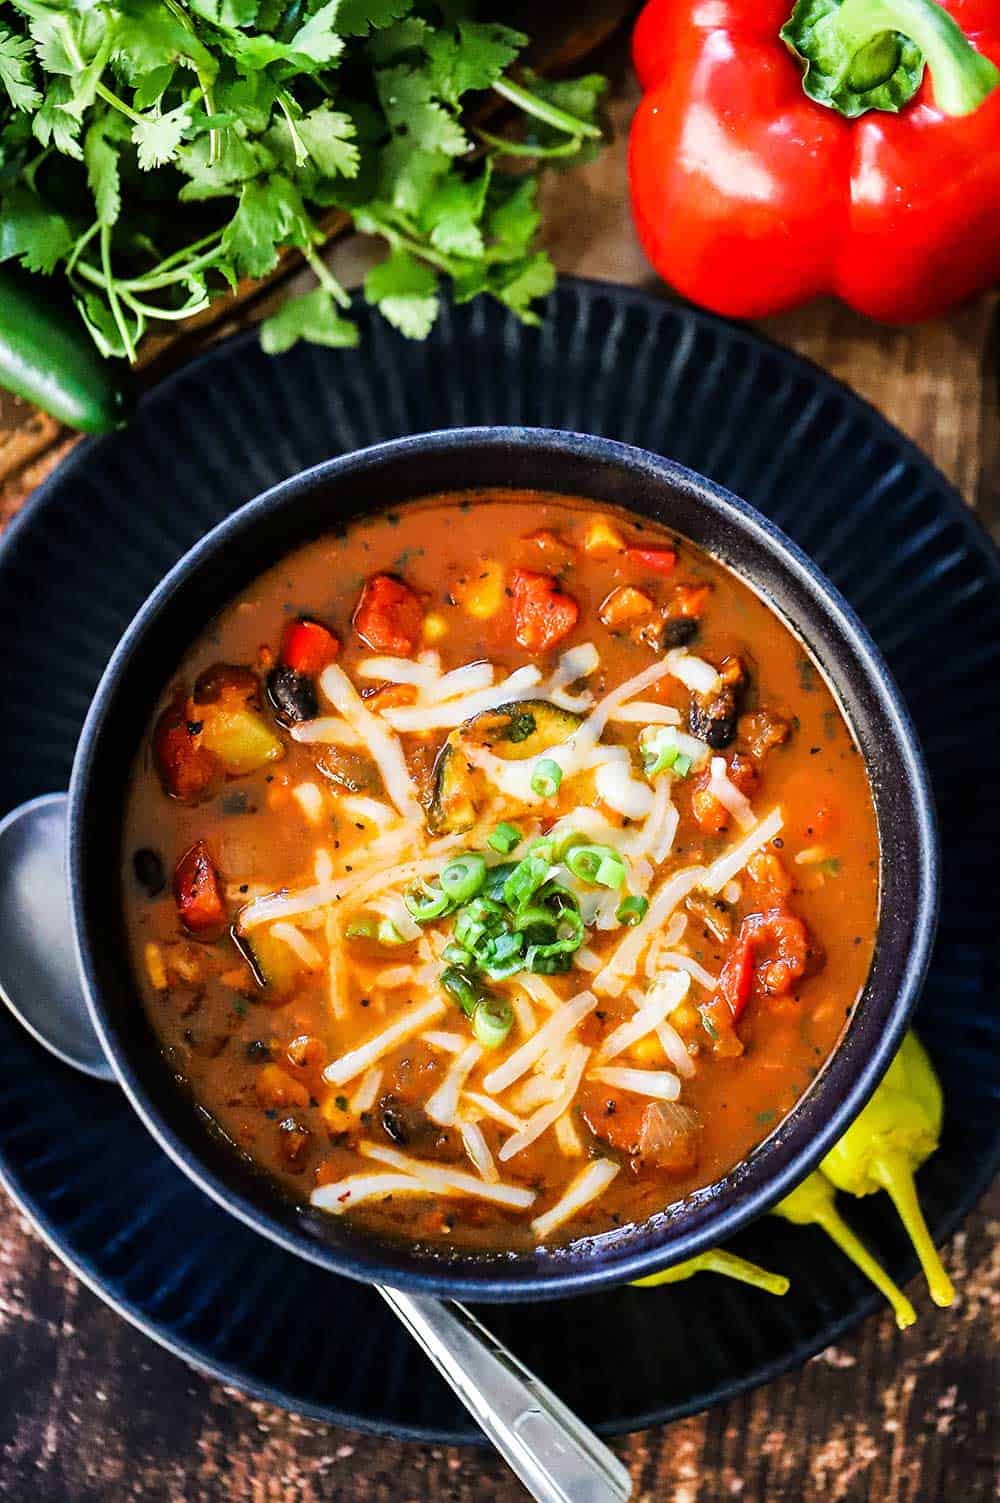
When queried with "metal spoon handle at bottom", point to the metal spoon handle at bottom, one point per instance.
{"points": [[552, 1451]]}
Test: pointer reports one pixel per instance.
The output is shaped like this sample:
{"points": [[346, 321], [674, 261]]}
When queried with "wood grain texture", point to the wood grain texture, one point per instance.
{"points": [[93, 1412]]}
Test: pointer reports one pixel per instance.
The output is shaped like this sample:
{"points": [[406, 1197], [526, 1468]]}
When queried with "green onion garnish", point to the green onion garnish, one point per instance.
{"points": [[682, 765], [504, 838], [632, 910], [660, 753], [388, 934], [425, 903], [528, 875], [492, 1020], [596, 863], [546, 778], [362, 928], [463, 877], [461, 988]]}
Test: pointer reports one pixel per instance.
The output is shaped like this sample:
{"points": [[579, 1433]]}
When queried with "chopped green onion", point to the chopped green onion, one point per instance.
{"points": [[682, 765], [565, 842], [660, 753], [492, 1020], [461, 988], [425, 903], [596, 863], [632, 910], [504, 838], [455, 955], [496, 878], [546, 778], [388, 934], [570, 935], [528, 876], [463, 877]]}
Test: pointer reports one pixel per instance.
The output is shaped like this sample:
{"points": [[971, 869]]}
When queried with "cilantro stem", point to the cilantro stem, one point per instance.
{"points": [[81, 245], [299, 147], [111, 98], [155, 279], [549, 114], [326, 278], [506, 148], [170, 315], [112, 293], [374, 224]]}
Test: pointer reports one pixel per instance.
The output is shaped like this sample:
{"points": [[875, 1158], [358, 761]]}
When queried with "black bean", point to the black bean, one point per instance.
{"points": [[292, 694], [149, 873], [678, 631]]}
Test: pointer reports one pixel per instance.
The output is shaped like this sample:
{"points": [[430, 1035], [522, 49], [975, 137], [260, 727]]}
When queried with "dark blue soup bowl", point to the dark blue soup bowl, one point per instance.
{"points": [[251, 540]]}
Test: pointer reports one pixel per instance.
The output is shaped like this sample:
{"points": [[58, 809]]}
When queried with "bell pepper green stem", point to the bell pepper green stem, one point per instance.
{"points": [[717, 1260], [893, 1173], [963, 78], [831, 1222]]}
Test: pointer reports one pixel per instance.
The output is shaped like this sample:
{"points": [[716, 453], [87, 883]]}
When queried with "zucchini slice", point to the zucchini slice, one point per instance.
{"points": [[514, 732]]}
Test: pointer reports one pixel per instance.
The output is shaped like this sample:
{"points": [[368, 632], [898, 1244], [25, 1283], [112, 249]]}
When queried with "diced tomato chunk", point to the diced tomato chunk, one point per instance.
{"points": [[198, 891], [185, 767], [308, 647], [736, 978], [543, 614], [688, 601], [389, 617], [653, 560], [781, 948]]}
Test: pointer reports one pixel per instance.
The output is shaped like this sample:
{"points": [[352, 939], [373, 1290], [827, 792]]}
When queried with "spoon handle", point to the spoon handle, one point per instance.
{"points": [[553, 1453]]}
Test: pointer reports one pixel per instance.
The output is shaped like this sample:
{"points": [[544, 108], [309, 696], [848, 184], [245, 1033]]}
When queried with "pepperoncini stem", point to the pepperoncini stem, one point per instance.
{"points": [[717, 1260], [812, 1204], [893, 1173]]}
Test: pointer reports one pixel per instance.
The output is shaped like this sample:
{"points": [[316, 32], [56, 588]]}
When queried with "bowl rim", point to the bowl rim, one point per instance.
{"points": [[572, 1270]]}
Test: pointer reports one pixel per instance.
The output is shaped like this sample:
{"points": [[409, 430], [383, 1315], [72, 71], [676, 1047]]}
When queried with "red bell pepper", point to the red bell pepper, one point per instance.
{"points": [[307, 647], [778, 154], [653, 560]]}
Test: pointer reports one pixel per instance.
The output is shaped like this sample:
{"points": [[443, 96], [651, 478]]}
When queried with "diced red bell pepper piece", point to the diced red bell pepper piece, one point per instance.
{"points": [[198, 891], [543, 614], [308, 647], [736, 978], [185, 767], [389, 617], [654, 560]]}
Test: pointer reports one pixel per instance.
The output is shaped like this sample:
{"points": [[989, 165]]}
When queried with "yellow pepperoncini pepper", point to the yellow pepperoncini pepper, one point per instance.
{"points": [[895, 1133], [717, 1260], [811, 1204]]}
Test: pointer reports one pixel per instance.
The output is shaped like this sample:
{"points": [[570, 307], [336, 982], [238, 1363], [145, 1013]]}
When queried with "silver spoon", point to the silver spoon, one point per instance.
{"points": [[555, 1455]]}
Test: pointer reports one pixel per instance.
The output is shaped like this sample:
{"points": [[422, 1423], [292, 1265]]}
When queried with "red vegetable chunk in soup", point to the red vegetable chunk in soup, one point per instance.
{"points": [[524, 871]]}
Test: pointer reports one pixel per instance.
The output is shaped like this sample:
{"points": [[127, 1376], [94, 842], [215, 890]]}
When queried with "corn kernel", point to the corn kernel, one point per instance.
{"points": [[435, 627], [334, 1116], [648, 1051], [602, 539], [481, 591], [155, 968]]}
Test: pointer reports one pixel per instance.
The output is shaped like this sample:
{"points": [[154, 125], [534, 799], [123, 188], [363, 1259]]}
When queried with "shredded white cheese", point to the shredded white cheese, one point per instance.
{"points": [[381, 743], [661, 1085], [624, 960], [663, 997], [545, 1116], [586, 1187], [454, 712], [443, 1104], [449, 1181], [368, 1088], [562, 1022], [721, 787], [344, 1194], [299, 944], [478, 1150], [736, 858], [694, 673], [326, 730], [399, 1030]]}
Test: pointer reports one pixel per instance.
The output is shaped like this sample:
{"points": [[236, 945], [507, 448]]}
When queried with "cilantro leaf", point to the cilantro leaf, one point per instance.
{"points": [[235, 161], [453, 212], [356, 18], [270, 214], [15, 72], [408, 175], [150, 35], [229, 13], [53, 125], [407, 97], [315, 45], [473, 59], [512, 216], [329, 137], [36, 234], [405, 292], [100, 152], [527, 280], [312, 317], [157, 137]]}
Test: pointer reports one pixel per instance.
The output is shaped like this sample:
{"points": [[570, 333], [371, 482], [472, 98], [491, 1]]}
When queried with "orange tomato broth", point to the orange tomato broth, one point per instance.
{"points": [[253, 1056]]}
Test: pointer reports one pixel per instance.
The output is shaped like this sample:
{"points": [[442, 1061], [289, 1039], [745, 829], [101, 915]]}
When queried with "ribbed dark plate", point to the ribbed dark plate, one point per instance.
{"points": [[876, 516]]}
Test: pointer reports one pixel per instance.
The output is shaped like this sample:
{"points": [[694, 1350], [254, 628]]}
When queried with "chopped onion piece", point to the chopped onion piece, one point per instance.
{"points": [[694, 673], [736, 858], [562, 1022], [729, 796], [449, 1181], [399, 1030], [661, 1085], [587, 1186], [443, 1104]]}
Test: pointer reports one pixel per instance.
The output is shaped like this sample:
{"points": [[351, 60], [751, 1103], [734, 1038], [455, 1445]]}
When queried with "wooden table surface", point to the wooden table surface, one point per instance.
{"points": [[93, 1412]]}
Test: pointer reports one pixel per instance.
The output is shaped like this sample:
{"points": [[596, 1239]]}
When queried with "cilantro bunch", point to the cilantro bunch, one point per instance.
{"points": [[155, 152]]}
